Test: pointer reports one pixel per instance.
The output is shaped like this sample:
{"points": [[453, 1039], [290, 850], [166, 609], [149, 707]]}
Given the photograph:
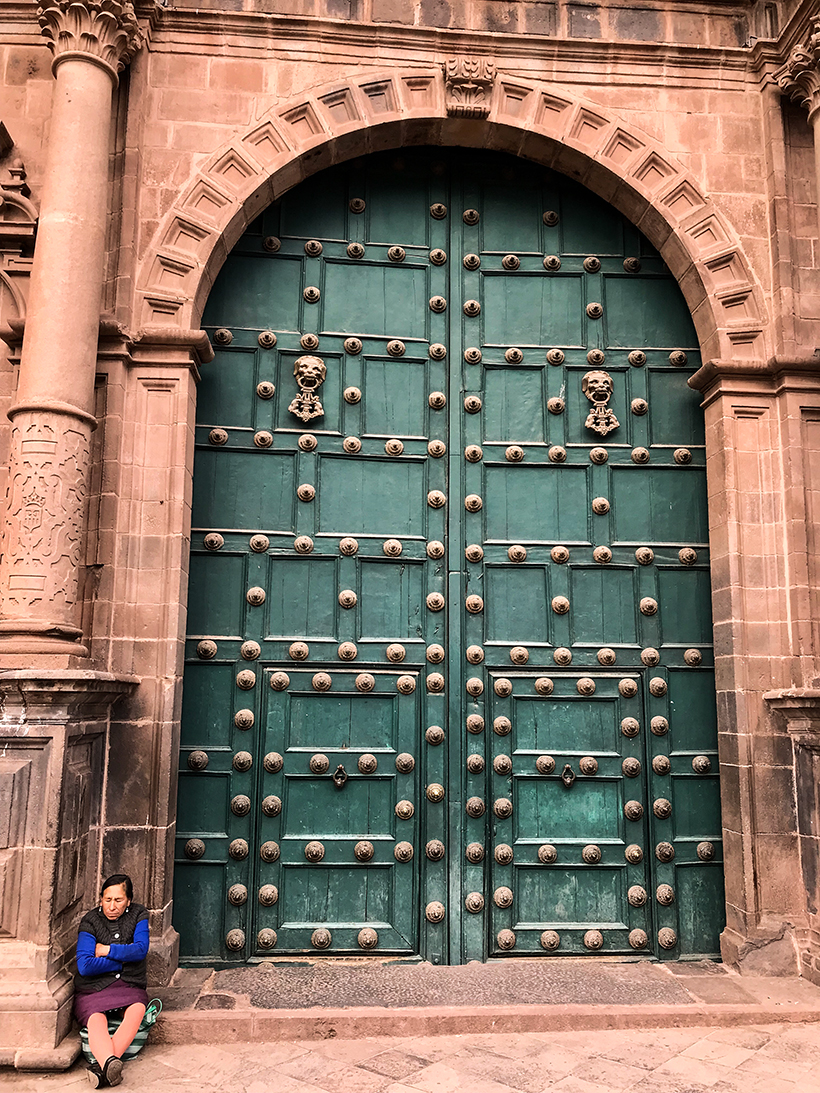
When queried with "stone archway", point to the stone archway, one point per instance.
{"points": [[532, 120]]}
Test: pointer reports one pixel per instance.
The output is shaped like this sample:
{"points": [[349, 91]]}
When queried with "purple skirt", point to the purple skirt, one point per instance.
{"points": [[115, 997]]}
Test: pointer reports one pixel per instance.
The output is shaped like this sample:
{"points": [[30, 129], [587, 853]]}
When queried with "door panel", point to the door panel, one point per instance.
{"points": [[448, 688]]}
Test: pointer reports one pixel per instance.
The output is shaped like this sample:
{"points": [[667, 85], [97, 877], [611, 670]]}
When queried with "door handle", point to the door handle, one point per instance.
{"points": [[340, 777], [568, 776]]}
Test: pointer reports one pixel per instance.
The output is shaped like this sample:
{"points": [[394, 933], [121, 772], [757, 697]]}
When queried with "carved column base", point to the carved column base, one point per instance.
{"points": [[799, 709], [53, 750]]}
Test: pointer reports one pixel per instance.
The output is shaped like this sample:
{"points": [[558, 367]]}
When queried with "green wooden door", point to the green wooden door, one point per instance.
{"points": [[448, 689]]}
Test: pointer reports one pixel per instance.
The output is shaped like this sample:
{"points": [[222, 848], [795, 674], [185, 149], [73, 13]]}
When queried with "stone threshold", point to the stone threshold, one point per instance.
{"points": [[350, 1000]]}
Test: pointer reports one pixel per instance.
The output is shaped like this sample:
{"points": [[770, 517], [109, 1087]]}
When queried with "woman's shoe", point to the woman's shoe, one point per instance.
{"points": [[112, 1070], [95, 1076]]}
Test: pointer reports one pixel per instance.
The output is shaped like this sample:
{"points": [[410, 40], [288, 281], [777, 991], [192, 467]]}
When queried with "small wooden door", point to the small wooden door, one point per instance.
{"points": [[449, 688]]}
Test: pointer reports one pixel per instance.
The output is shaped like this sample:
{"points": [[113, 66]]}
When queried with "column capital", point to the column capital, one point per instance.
{"points": [[105, 32], [799, 77]]}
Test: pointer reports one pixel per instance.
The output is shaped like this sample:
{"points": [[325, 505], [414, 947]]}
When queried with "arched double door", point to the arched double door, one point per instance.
{"points": [[449, 684]]}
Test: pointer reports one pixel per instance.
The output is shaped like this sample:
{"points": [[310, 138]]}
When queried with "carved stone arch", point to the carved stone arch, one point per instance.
{"points": [[539, 122]]}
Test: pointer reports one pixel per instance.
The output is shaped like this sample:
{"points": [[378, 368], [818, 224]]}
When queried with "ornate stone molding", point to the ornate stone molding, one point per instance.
{"points": [[468, 85], [105, 31], [799, 78], [800, 710]]}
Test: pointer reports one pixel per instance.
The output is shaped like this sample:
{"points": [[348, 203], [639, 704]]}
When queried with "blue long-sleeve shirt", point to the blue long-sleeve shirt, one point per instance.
{"points": [[89, 964]]}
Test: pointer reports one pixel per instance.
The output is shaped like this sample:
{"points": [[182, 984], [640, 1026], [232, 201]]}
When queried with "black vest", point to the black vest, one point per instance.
{"points": [[95, 923]]}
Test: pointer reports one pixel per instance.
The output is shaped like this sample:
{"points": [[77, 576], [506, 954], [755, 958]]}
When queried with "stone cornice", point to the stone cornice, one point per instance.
{"points": [[103, 31], [799, 77]]}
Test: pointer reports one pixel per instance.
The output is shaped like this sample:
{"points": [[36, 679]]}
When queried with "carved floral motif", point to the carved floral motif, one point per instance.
{"points": [[468, 86], [799, 78], [104, 29]]}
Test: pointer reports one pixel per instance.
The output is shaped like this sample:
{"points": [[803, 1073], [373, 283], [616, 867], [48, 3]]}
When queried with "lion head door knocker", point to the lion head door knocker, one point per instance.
{"points": [[597, 386], [310, 374]]}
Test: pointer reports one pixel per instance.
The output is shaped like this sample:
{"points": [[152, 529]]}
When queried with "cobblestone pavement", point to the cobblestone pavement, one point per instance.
{"points": [[781, 1058]]}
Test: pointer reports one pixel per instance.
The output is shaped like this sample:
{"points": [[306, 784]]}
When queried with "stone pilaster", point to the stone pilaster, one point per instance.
{"points": [[799, 78], [44, 525]]}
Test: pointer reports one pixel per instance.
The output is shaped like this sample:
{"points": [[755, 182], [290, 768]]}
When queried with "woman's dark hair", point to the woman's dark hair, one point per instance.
{"points": [[119, 878]]}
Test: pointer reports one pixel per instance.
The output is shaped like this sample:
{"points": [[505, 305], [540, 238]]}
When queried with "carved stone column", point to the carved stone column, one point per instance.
{"points": [[52, 417], [799, 78]]}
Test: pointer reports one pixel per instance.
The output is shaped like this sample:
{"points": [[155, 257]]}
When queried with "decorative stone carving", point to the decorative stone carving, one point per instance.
{"points": [[434, 911], [307, 442], [468, 85], [633, 854], [667, 938], [194, 849], [273, 762], [474, 853], [405, 685], [403, 852], [503, 687], [405, 810], [104, 29], [544, 685], [545, 764], [367, 938], [365, 682], [434, 735], [661, 764], [244, 719], [475, 723], [550, 940], [630, 727], [310, 373], [502, 726], [593, 939], [591, 854]]}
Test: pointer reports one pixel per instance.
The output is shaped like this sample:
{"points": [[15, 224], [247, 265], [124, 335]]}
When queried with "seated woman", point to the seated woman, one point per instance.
{"points": [[111, 949]]}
